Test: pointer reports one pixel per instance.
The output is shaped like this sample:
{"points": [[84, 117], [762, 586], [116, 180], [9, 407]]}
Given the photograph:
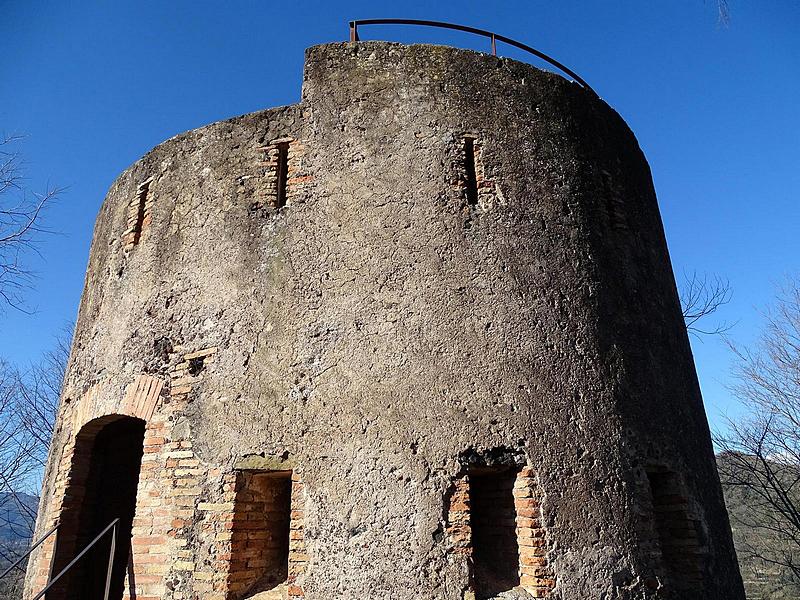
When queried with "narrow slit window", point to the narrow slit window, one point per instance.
{"points": [[141, 196], [616, 214], [283, 174], [494, 534], [678, 535], [137, 214], [261, 531], [614, 203], [469, 169]]}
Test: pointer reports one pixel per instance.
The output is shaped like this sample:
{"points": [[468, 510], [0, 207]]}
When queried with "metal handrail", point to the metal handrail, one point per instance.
{"points": [[113, 527], [495, 37], [31, 549]]}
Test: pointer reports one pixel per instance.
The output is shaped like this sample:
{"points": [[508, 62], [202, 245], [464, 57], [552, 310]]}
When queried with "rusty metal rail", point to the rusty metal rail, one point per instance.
{"points": [[111, 526], [494, 37]]}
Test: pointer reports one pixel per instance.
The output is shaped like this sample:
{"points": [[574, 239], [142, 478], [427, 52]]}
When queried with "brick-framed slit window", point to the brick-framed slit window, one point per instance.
{"points": [[284, 180], [139, 215], [470, 181]]}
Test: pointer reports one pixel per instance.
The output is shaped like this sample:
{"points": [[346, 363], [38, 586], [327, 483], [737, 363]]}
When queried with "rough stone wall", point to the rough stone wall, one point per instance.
{"points": [[381, 327]]}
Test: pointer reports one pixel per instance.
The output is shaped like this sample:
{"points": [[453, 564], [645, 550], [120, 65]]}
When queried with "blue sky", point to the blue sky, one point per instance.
{"points": [[94, 85]]}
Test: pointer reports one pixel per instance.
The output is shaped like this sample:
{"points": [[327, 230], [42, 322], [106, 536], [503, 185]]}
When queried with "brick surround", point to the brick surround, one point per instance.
{"points": [[267, 540], [518, 496], [536, 576], [487, 191], [269, 196]]}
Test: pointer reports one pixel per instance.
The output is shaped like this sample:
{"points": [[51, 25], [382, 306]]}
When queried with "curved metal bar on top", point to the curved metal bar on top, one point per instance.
{"points": [[489, 34]]}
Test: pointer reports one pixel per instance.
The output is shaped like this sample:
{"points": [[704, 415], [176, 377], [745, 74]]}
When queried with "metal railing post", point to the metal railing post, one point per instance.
{"points": [[111, 560], [89, 546]]}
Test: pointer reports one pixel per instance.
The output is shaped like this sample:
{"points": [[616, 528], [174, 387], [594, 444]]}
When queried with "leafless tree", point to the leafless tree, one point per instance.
{"points": [[28, 398], [15, 448], [37, 394], [701, 296], [16, 471], [20, 222], [28, 403], [760, 453]]}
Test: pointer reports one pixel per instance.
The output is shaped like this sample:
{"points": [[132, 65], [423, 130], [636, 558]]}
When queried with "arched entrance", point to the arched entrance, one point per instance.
{"points": [[102, 487]]}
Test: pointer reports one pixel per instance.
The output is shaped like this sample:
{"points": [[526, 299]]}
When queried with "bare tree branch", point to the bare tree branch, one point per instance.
{"points": [[20, 222], [701, 296]]}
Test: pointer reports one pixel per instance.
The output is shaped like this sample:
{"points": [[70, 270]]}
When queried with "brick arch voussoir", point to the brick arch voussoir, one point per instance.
{"points": [[140, 401]]}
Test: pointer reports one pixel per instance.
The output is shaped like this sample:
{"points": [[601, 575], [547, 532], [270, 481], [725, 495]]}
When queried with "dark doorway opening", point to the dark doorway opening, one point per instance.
{"points": [[103, 481], [494, 534]]}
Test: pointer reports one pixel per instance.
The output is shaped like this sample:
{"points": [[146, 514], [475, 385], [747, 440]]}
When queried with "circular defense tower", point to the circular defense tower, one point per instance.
{"points": [[416, 336]]}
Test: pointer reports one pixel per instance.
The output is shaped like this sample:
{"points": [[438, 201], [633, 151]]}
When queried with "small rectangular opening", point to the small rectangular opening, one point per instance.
{"points": [[469, 168], [261, 531], [678, 534], [282, 173], [494, 534]]}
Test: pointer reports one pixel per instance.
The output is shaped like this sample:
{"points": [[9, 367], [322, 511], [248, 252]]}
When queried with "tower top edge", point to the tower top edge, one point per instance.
{"points": [[376, 50]]}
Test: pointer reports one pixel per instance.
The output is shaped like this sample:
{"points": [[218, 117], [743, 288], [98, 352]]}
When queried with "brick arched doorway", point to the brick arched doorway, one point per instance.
{"points": [[102, 487]]}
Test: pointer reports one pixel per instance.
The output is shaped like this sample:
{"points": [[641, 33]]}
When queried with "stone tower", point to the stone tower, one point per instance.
{"points": [[416, 336]]}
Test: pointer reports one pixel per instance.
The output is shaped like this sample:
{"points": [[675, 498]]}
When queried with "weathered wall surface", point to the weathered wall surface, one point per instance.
{"points": [[379, 333]]}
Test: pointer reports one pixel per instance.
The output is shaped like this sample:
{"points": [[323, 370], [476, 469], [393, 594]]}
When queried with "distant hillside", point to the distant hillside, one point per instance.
{"points": [[762, 581], [15, 533], [15, 523]]}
